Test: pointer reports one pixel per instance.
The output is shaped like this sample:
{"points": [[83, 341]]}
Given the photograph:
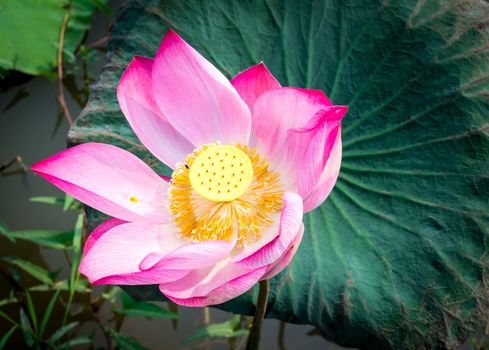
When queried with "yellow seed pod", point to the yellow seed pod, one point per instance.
{"points": [[221, 173]]}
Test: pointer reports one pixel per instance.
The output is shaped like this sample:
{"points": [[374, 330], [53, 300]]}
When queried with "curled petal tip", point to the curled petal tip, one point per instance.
{"points": [[341, 110], [150, 261]]}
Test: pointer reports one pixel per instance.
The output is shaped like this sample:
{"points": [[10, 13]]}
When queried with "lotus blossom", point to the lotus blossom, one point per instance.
{"points": [[249, 158]]}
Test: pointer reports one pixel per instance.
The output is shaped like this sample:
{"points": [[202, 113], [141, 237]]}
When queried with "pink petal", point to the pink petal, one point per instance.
{"points": [[146, 254], [328, 177], [99, 231], [290, 223], [291, 128], [277, 111], [121, 249], [191, 256], [268, 234], [224, 292], [108, 179], [153, 276], [195, 97], [166, 178], [136, 100], [317, 141], [200, 282], [253, 82], [277, 267]]}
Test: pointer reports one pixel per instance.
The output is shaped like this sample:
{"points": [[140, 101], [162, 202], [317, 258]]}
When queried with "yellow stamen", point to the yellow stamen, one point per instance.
{"points": [[133, 199], [203, 209]]}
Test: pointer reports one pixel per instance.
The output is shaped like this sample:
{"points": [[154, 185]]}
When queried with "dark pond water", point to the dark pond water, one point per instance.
{"points": [[26, 129]]}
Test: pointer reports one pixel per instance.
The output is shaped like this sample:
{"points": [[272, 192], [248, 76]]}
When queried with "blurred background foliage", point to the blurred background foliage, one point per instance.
{"points": [[30, 32]]}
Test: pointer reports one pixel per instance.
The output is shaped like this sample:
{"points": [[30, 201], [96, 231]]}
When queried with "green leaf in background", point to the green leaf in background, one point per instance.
{"points": [[30, 31], [75, 263], [63, 286], [3, 226], [111, 294], [131, 307], [76, 341], [48, 312], [36, 271], [32, 310], [48, 200], [68, 202], [77, 237], [101, 5], [397, 256], [219, 330], [46, 238], [26, 328], [124, 342], [58, 334], [8, 318], [4, 230], [10, 299], [6, 337]]}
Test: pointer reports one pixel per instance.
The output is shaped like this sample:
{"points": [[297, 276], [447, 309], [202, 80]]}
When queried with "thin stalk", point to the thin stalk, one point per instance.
{"points": [[68, 308], [281, 336], [61, 96], [95, 311], [207, 321], [16, 160], [261, 308], [99, 42], [173, 308], [80, 227]]}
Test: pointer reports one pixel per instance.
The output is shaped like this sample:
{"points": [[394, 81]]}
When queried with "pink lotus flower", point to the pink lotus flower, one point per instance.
{"points": [[249, 157]]}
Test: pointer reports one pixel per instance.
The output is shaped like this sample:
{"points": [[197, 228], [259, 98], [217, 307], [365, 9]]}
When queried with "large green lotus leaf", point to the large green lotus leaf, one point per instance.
{"points": [[397, 256], [30, 29]]}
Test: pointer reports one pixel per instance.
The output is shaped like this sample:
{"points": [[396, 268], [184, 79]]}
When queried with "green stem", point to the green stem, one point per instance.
{"points": [[281, 335], [261, 307], [207, 321], [68, 308]]}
